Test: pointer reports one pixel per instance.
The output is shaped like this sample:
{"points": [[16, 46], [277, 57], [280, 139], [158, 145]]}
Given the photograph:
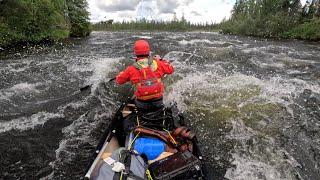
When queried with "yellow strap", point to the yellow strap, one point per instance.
{"points": [[133, 141], [174, 141], [121, 175], [154, 66], [144, 63], [149, 175], [144, 74]]}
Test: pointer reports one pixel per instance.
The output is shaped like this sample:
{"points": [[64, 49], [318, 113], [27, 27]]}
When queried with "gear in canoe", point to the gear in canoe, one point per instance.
{"points": [[154, 145]]}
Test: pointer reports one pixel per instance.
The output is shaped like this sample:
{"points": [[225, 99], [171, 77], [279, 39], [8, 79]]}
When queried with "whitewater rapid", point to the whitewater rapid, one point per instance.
{"points": [[254, 103]]}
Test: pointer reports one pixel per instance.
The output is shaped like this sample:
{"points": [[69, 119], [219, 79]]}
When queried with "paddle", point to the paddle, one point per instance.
{"points": [[85, 88], [90, 85]]}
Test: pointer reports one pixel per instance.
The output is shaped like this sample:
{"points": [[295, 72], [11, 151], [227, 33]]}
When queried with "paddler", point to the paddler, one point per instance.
{"points": [[145, 75]]}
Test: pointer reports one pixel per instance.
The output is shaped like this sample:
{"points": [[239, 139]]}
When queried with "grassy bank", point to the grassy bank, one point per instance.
{"points": [[275, 19], [30, 21]]}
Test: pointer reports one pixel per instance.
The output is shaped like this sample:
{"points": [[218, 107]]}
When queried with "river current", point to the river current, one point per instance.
{"points": [[253, 103]]}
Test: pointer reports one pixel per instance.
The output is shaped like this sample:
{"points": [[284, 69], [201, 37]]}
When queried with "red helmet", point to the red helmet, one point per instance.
{"points": [[141, 47]]}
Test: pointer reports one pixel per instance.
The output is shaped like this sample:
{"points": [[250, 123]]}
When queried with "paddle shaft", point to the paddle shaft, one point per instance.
{"points": [[89, 86]]}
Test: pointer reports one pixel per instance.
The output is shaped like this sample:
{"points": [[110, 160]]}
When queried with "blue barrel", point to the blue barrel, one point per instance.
{"points": [[149, 146]]}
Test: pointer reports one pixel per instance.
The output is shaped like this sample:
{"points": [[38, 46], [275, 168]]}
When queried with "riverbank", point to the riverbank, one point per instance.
{"points": [[306, 31], [309, 30], [274, 20], [29, 22]]}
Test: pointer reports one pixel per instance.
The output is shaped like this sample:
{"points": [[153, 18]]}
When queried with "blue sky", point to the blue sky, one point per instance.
{"points": [[196, 11]]}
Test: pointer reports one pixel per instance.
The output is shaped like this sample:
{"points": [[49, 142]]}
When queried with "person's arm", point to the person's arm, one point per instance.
{"points": [[123, 76], [166, 67]]}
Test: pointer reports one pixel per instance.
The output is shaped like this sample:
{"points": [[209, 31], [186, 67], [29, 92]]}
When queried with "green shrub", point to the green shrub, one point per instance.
{"points": [[42, 20], [269, 18], [79, 18], [308, 30]]}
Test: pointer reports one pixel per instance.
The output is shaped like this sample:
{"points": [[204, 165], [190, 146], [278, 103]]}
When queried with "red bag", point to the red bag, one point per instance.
{"points": [[149, 86]]}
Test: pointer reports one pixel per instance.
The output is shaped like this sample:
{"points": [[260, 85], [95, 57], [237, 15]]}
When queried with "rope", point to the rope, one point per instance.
{"points": [[130, 146], [174, 141], [149, 175]]}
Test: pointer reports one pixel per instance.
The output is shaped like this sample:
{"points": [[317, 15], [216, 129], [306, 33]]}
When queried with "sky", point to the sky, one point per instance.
{"points": [[195, 11]]}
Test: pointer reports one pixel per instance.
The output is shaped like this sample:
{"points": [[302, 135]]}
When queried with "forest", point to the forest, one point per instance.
{"points": [[34, 21], [152, 25], [274, 18]]}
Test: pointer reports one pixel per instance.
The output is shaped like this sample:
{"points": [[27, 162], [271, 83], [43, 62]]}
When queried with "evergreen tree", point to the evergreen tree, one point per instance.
{"points": [[78, 17], [42, 20], [273, 18]]}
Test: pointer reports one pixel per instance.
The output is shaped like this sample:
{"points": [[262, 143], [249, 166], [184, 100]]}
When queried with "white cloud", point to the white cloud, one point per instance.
{"points": [[147, 9], [117, 5], [194, 10], [167, 6]]}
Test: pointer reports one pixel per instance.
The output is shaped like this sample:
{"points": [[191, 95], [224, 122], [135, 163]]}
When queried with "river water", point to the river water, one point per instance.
{"points": [[254, 103]]}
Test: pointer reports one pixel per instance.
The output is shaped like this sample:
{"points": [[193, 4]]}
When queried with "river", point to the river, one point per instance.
{"points": [[254, 103]]}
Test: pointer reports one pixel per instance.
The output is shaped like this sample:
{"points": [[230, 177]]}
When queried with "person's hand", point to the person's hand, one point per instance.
{"points": [[157, 57]]}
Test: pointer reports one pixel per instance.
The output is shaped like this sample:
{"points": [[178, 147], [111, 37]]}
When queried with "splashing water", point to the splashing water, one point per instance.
{"points": [[254, 104]]}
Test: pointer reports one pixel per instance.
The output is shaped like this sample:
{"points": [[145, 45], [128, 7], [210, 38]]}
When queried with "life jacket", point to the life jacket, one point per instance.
{"points": [[149, 86]]}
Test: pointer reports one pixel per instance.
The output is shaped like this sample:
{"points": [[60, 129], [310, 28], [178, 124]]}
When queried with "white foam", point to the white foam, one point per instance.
{"points": [[176, 36], [276, 90], [18, 89], [294, 71], [249, 162], [78, 68], [48, 62], [272, 62], [143, 37], [247, 168], [101, 68], [298, 61], [26, 123], [195, 41], [176, 55], [251, 50], [191, 82], [76, 133], [25, 87], [18, 69]]}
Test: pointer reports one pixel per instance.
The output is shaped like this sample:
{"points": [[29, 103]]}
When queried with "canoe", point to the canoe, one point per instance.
{"points": [[181, 163]]}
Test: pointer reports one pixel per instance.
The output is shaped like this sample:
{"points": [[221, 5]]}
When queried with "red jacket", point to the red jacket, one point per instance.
{"points": [[134, 75]]}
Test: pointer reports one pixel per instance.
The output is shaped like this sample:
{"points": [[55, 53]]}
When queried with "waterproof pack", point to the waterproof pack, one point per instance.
{"points": [[151, 147], [181, 165]]}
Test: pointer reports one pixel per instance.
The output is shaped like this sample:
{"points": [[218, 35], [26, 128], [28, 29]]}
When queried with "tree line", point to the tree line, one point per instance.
{"points": [[274, 18], [152, 25], [33, 21]]}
